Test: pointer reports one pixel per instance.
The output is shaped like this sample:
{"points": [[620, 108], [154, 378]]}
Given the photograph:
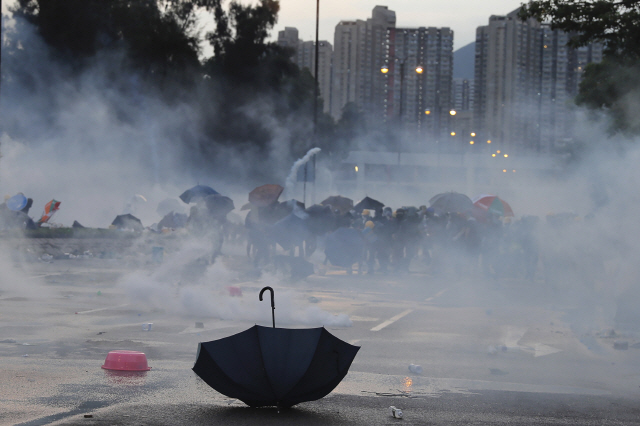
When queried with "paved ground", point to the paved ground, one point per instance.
{"points": [[491, 352]]}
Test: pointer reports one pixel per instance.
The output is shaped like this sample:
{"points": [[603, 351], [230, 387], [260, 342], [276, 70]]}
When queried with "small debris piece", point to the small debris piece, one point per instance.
{"points": [[234, 291], [199, 325], [88, 416]]}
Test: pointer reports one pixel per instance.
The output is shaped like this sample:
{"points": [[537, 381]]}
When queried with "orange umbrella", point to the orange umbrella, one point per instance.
{"points": [[265, 195]]}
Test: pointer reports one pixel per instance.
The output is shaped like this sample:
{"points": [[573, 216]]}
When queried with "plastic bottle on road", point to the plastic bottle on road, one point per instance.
{"points": [[396, 413]]}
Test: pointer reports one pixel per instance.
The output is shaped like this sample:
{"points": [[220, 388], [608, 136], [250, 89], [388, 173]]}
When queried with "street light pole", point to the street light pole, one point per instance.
{"points": [[316, 88], [316, 95], [385, 69]]}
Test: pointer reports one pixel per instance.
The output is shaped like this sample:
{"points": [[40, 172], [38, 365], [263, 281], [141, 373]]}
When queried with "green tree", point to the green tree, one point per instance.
{"points": [[158, 41], [612, 85], [616, 23]]}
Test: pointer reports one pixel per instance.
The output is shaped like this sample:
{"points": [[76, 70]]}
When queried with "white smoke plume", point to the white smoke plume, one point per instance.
{"points": [[291, 179]]}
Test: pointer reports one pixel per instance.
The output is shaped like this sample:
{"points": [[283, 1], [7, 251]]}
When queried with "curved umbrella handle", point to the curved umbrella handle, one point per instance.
{"points": [[273, 304]]}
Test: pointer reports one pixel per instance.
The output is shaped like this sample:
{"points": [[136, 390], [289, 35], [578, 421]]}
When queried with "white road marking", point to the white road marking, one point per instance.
{"points": [[101, 309], [391, 320], [438, 294]]}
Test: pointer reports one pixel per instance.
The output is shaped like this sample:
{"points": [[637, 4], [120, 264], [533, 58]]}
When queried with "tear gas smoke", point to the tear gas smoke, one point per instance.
{"points": [[174, 289], [83, 154], [290, 182]]}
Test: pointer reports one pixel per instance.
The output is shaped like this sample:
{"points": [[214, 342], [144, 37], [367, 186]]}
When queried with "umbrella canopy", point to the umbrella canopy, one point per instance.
{"points": [[343, 204], [344, 247], [369, 204], [127, 221], [196, 193], [219, 205], [451, 202], [493, 204], [17, 202], [321, 219], [265, 195], [173, 220], [290, 231], [169, 205], [49, 209], [275, 366]]}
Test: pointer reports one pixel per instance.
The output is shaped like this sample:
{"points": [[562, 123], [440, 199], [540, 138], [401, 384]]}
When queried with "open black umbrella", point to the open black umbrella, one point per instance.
{"points": [[196, 193], [338, 202], [279, 367], [290, 231], [127, 221], [451, 202], [219, 205], [369, 204]]}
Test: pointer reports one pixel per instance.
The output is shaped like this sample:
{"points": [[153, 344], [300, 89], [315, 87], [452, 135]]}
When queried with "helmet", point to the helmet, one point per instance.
{"points": [[366, 212], [369, 224]]}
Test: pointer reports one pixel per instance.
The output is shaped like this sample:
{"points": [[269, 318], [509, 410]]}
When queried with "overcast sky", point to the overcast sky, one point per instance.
{"points": [[462, 16]]}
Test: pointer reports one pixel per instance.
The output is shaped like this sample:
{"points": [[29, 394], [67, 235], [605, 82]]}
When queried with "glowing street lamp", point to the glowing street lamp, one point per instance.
{"points": [[384, 69], [419, 69], [453, 112]]}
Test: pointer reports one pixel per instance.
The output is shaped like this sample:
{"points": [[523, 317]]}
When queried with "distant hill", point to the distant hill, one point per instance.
{"points": [[463, 61]]}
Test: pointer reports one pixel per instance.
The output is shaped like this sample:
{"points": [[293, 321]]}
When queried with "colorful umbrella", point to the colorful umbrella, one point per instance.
{"points": [[49, 209], [493, 203]]}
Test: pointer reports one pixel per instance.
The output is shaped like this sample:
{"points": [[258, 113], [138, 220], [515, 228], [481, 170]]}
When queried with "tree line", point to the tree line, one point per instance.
{"points": [[153, 50]]}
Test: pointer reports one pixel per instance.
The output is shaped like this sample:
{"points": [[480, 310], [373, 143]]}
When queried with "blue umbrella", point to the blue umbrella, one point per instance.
{"points": [[196, 193], [344, 247], [290, 231], [17, 202]]}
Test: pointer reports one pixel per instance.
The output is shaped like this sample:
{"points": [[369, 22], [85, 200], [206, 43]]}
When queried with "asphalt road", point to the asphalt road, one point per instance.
{"points": [[491, 352]]}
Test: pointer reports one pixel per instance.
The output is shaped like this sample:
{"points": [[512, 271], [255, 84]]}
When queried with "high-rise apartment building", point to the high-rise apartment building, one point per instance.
{"points": [[418, 81], [525, 79], [360, 50], [462, 94], [305, 57]]}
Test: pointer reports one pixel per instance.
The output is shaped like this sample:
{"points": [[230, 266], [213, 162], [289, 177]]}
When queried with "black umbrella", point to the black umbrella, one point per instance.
{"points": [[280, 367], [290, 232], [196, 193], [451, 202], [369, 204], [127, 221], [219, 205]]}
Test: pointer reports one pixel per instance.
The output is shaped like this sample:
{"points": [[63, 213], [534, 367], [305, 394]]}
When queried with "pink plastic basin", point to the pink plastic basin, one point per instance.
{"points": [[126, 361]]}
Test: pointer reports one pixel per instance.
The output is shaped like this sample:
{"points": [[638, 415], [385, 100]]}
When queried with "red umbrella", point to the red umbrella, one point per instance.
{"points": [[493, 203]]}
